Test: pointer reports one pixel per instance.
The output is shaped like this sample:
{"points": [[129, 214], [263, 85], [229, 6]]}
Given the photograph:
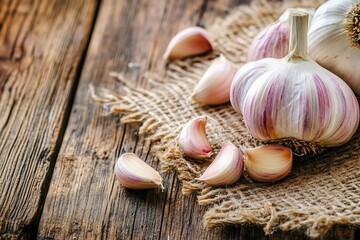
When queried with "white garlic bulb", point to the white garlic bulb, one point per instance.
{"points": [[294, 97], [334, 40], [273, 41], [214, 86]]}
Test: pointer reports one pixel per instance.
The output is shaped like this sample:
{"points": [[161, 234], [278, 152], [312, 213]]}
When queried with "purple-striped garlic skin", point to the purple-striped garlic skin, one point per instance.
{"points": [[295, 99], [248, 73], [193, 140], [214, 86], [188, 42], [226, 168], [134, 173], [273, 40]]}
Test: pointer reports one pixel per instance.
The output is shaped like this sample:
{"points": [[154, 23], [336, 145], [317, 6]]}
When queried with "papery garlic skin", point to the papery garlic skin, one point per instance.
{"points": [[188, 42], [134, 173], [214, 86], [295, 97], [226, 168], [268, 163], [334, 40], [193, 140], [273, 41]]}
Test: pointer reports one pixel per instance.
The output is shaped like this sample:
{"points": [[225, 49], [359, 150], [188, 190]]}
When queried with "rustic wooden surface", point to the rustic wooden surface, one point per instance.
{"points": [[57, 153], [42, 45]]}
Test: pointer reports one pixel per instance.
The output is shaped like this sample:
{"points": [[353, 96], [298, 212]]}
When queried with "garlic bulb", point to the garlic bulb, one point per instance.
{"points": [[134, 173], [193, 140], [227, 167], [268, 163], [188, 42], [214, 86], [334, 40], [294, 97], [273, 41]]}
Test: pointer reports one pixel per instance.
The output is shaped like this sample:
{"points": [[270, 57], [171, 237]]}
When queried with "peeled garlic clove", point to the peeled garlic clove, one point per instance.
{"points": [[193, 140], [134, 173], [273, 41], [227, 167], [334, 40], [188, 42], [268, 163], [214, 86]]}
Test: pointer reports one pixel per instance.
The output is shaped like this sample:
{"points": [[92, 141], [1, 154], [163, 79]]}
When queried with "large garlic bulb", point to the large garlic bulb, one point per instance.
{"points": [[334, 39], [294, 97]]}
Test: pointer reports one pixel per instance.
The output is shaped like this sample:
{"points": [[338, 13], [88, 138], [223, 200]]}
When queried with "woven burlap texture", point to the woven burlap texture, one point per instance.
{"points": [[320, 191]]}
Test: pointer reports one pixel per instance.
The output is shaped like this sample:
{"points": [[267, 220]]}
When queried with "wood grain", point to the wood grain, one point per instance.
{"points": [[42, 44]]}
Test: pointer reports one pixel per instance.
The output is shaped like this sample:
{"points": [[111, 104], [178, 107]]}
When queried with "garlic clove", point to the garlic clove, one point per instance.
{"points": [[188, 42], [273, 41], [193, 140], [134, 173], [268, 163], [214, 86], [227, 167]]}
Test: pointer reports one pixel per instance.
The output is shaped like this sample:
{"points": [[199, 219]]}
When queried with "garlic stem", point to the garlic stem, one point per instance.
{"points": [[273, 41], [298, 36]]}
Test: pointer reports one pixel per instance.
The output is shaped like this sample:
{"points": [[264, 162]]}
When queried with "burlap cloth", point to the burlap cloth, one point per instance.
{"points": [[320, 191]]}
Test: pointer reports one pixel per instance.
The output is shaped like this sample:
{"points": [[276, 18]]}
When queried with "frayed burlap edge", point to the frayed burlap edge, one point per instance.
{"points": [[305, 200]]}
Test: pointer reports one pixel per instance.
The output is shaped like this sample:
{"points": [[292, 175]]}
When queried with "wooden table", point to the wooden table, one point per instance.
{"points": [[58, 149]]}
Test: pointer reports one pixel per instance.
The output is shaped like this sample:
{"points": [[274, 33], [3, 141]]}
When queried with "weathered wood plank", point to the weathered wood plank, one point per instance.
{"points": [[42, 44]]}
